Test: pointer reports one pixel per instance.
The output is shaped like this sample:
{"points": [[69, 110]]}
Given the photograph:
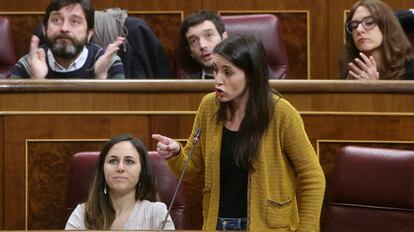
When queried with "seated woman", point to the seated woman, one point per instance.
{"points": [[123, 194], [376, 46]]}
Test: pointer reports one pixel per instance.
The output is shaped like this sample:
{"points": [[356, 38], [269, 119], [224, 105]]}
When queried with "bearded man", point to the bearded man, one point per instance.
{"points": [[68, 26]]}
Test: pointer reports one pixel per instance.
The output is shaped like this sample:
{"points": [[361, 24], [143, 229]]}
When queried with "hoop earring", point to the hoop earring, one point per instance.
{"points": [[104, 190]]}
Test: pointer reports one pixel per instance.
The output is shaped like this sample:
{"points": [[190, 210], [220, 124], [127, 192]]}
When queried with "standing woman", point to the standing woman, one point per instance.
{"points": [[376, 46], [123, 194], [253, 149]]}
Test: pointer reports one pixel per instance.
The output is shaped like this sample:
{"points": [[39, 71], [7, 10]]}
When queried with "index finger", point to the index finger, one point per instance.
{"points": [[161, 138], [34, 44], [120, 39], [117, 43]]}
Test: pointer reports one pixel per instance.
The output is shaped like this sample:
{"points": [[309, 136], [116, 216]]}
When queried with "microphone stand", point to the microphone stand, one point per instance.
{"points": [[195, 140]]}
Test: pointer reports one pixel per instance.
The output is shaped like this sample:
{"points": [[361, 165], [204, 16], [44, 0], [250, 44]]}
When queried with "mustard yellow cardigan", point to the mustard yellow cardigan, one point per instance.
{"points": [[286, 160]]}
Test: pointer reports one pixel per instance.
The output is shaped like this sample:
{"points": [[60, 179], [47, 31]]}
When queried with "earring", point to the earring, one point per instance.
{"points": [[104, 190]]}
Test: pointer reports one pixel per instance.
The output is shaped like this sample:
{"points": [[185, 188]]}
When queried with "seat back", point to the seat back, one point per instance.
{"points": [[7, 54], [166, 185], [266, 27], [406, 18], [372, 190], [82, 168]]}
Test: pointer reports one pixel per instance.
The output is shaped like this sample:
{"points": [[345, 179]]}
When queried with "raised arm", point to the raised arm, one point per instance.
{"points": [[37, 59], [104, 62]]}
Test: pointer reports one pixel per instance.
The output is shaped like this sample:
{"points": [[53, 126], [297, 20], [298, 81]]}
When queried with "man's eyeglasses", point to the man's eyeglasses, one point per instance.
{"points": [[368, 23]]}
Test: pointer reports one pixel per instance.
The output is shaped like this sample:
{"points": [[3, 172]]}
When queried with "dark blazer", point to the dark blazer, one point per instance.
{"points": [[145, 57]]}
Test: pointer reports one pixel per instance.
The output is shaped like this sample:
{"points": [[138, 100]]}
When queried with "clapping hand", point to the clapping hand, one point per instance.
{"points": [[365, 69], [103, 63]]}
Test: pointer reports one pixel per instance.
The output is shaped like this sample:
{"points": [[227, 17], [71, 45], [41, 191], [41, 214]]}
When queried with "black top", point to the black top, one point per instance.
{"points": [[409, 71], [233, 180]]}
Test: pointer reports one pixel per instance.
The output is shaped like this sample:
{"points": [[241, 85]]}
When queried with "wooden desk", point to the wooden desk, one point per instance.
{"points": [[44, 122]]}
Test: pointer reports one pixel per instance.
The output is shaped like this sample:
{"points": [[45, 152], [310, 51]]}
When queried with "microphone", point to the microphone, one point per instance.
{"points": [[195, 140]]}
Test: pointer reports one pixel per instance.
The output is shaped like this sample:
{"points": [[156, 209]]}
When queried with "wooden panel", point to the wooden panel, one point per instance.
{"points": [[1, 171], [176, 126], [44, 110], [182, 95], [47, 180], [154, 5], [23, 26], [295, 36]]}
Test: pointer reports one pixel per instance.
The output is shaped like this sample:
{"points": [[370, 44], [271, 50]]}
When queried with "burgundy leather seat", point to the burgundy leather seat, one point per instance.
{"points": [[81, 173], [7, 53], [372, 190], [267, 27]]}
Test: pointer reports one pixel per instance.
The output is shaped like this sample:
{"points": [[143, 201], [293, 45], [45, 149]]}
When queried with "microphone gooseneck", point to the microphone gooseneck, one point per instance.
{"points": [[195, 140]]}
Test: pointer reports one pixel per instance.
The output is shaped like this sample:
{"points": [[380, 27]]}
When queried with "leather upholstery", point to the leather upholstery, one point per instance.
{"points": [[166, 185], [82, 166], [372, 190], [267, 27], [81, 173], [7, 54]]}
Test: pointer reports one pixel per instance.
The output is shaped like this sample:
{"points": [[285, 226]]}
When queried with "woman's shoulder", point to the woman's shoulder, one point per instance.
{"points": [[283, 105], [156, 205], [209, 101], [80, 207], [76, 219], [209, 98]]}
